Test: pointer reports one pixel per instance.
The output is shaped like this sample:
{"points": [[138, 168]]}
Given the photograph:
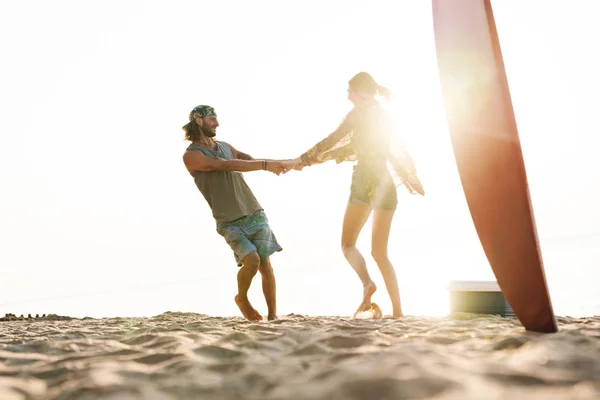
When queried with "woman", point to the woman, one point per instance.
{"points": [[366, 136]]}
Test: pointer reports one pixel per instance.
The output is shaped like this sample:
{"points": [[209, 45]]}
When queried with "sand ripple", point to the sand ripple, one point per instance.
{"points": [[193, 356]]}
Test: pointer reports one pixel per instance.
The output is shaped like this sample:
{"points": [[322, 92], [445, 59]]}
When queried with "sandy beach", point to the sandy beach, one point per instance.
{"points": [[194, 356]]}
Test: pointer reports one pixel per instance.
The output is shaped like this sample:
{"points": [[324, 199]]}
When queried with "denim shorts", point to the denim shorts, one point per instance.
{"points": [[249, 234], [376, 191]]}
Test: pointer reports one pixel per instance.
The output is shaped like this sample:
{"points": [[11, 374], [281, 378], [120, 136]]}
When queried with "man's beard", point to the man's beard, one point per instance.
{"points": [[208, 132]]}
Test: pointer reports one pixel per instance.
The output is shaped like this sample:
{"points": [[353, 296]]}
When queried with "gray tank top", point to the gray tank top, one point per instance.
{"points": [[226, 192]]}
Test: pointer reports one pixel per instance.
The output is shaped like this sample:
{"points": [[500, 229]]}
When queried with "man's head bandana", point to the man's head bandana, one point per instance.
{"points": [[202, 111]]}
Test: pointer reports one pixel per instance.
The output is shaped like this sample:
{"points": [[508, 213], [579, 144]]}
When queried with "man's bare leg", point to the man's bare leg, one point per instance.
{"points": [[354, 220], [382, 222], [269, 287], [244, 277]]}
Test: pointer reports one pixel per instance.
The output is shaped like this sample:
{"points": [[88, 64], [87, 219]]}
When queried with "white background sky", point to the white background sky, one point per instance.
{"points": [[94, 198]]}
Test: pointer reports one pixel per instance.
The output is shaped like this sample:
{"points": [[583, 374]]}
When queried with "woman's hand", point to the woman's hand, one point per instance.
{"points": [[295, 163], [298, 164]]}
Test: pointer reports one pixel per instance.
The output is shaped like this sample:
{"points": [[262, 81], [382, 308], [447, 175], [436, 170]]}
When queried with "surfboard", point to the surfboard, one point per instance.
{"points": [[488, 155]]}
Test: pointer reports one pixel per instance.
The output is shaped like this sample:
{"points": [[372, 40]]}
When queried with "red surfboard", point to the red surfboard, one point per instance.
{"points": [[488, 155]]}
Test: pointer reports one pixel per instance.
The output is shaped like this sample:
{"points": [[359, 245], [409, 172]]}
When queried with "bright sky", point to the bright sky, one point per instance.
{"points": [[98, 213]]}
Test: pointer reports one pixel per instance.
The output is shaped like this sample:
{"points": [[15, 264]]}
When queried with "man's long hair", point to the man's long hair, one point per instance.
{"points": [[192, 130]]}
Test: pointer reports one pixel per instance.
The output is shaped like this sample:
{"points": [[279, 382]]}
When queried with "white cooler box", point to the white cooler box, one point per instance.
{"points": [[478, 297]]}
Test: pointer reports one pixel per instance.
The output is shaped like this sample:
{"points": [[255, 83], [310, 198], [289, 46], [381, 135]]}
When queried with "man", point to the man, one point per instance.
{"points": [[216, 167]]}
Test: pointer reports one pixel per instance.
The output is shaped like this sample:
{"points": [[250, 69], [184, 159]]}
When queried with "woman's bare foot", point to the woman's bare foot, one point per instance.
{"points": [[272, 317], [368, 291], [376, 310], [246, 308], [397, 314]]}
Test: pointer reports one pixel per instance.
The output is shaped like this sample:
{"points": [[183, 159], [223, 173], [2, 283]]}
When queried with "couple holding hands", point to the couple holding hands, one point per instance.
{"points": [[366, 136]]}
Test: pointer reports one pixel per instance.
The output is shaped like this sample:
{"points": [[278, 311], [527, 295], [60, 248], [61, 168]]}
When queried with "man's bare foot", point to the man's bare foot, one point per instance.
{"points": [[397, 314], [272, 317], [368, 291], [246, 308]]}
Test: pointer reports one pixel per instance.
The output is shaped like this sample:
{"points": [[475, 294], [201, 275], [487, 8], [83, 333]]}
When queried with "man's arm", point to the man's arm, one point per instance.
{"points": [[238, 154], [244, 156], [196, 161]]}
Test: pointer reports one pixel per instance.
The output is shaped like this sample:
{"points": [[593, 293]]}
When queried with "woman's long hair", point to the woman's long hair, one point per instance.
{"points": [[364, 82]]}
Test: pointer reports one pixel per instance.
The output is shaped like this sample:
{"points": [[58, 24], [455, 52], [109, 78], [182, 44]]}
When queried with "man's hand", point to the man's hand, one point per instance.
{"points": [[277, 167], [284, 166]]}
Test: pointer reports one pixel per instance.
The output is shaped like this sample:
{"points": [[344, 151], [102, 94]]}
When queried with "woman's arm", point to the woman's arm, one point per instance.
{"points": [[312, 156]]}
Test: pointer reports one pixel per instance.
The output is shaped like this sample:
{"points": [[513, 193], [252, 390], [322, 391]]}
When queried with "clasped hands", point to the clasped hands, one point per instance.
{"points": [[283, 166]]}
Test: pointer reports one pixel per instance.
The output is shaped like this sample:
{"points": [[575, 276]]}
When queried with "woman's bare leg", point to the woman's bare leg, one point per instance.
{"points": [[382, 223], [354, 220]]}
